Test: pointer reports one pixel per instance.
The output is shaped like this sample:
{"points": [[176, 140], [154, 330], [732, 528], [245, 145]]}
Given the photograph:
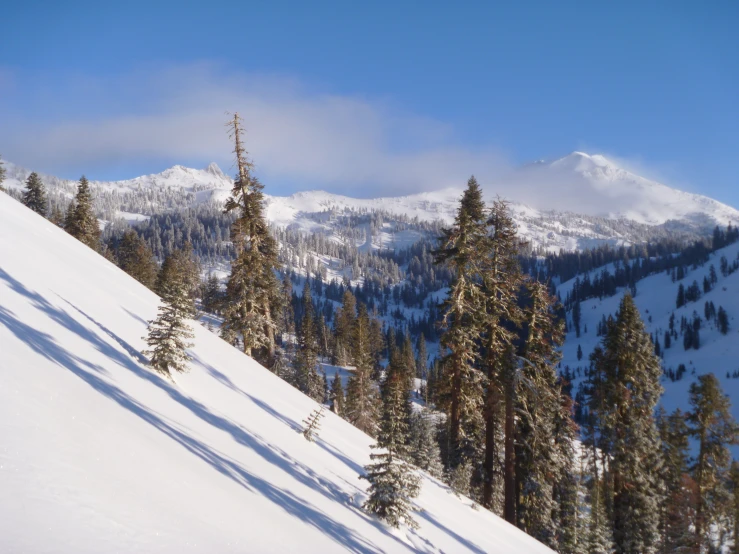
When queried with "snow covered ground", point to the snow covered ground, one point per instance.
{"points": [[100, 454], [656, 299]]}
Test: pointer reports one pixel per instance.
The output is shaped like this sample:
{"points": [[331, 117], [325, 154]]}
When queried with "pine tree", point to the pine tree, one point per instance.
{"points": [[179, 267], [306, 360], [34, 196], [169, 332], [722, 319], [421, 358], [252, 291], [544, 430], [677, 514], [393, 483], [424, 447], [83, 225], [336, 396], [501, 280], [344, 328], [211, 294], [460, 388], [361, 396], [135, 258], [711, 424], [287, 317], [630, 374]]}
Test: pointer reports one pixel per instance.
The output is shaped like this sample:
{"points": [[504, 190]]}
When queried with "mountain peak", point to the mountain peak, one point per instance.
{"points": [[213, 169]]}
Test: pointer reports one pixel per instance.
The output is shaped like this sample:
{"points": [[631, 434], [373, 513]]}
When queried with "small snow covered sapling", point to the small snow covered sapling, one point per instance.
{"points": [[312, 424]]}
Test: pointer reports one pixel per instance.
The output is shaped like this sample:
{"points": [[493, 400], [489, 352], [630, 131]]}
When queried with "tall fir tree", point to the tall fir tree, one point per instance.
{"points": [[83, 225], [544, 430], [501, 279], [393, 483], [180, 266], [136, 258], [361, 393], [677, 512], [424, 447], [460, 386], [252, 292], [629, 438], [34, 196], [306, 359], [344, 328], [711, 424]]}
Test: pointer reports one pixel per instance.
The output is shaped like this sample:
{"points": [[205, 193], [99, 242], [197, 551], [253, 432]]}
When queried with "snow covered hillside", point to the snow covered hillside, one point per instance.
{"points": [[656, 297], [577, 202], [100, 454]]}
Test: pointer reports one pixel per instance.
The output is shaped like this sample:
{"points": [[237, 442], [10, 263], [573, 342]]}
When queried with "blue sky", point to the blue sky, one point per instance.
{"points": [[386, 96]]}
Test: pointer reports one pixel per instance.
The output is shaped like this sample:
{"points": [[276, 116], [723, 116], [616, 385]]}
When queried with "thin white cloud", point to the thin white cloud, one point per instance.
{"points": [[341, 143]]}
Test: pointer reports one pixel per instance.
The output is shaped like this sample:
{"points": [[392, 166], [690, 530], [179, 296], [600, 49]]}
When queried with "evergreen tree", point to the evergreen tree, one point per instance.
{"points": [[336, 396], [179, 267], [211, 295], [57, 216], [711, 424], [83, 225], [361, 396], [252, 291], [424, 447], [346, 318], [421, 358], [287, 318], [306, 360], [460, 388], [629, 439], [34, 196], [169, 332], [135, 258], [393, 483], [722, 319], [501, 281], [544, 432], [677, 513]]}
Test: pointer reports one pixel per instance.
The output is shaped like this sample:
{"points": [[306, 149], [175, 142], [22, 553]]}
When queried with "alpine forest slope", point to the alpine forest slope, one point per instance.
{"points": [[98, 453], [691, 336]]}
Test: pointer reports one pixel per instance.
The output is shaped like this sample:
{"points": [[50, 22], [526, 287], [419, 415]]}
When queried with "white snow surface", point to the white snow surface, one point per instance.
{"points": [[100, 454]]}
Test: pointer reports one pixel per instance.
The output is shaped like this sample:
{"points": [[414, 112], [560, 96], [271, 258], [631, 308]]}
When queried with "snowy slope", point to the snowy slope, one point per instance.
{"points": [[656, 300], [99, 454], [596, 186], [576, 202]]}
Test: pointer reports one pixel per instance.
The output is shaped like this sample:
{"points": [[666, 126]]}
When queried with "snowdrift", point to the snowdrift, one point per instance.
{"points": [[100, 454]]}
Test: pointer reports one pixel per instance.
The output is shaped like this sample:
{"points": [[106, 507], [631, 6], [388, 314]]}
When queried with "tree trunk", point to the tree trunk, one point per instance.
{"points": [[510, 456], [490, 445], [454, 416]]}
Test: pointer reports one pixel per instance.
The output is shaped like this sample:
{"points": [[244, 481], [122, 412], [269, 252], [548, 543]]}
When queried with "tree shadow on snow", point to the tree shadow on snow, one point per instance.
{"points": [[46, 346]]}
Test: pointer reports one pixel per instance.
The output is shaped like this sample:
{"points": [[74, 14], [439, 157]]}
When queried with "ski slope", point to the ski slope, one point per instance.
{"points": [[100, 454]]}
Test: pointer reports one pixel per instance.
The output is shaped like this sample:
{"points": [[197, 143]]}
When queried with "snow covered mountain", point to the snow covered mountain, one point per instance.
{"points": [[576, 202], [100, 454]]}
